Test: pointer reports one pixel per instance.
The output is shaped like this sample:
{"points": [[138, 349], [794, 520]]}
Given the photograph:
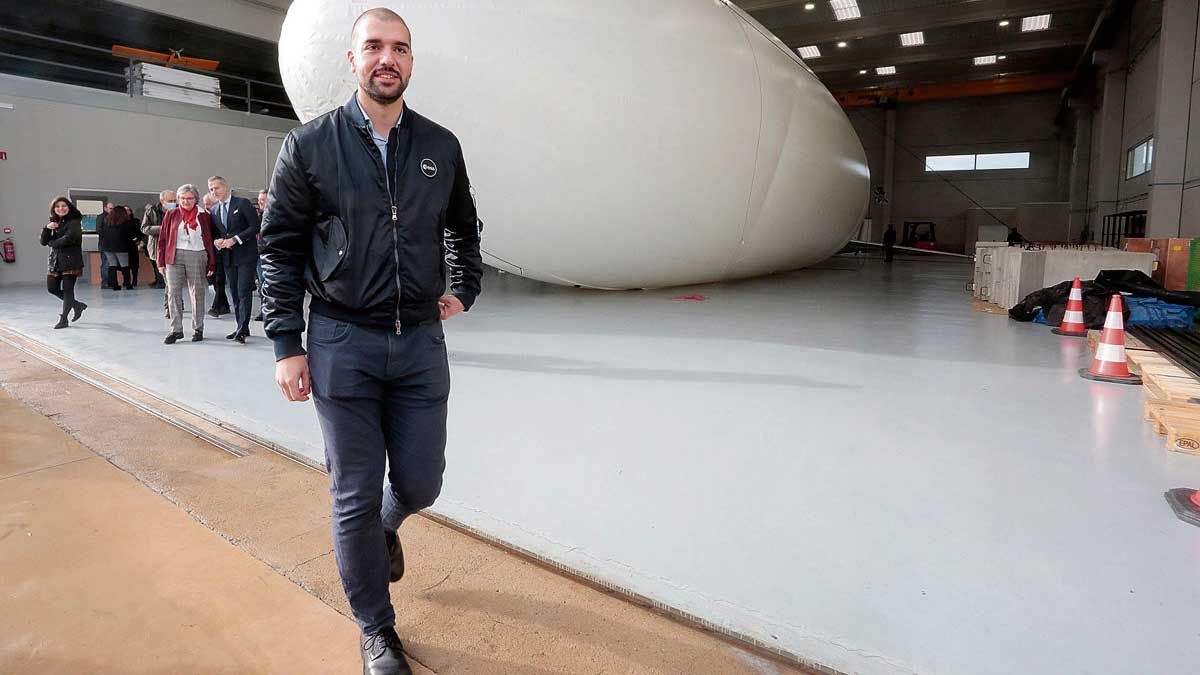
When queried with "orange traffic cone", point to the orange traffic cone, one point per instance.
{"points": [[1110, 364], [1186, 504], [1072, 323]]}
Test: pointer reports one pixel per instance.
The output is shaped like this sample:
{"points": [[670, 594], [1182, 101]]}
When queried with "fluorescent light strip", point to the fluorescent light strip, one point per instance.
{"points": [[1032, 23], [985, 60], [844, 10], [886, 70], [912, 39], [809, 52]]}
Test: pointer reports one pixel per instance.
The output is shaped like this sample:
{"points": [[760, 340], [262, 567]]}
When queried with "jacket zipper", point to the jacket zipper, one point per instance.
{"points": [[395, 224], [388, 186]]}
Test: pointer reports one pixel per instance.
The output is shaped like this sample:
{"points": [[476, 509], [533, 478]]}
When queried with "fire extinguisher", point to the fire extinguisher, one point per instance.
{"points": [[10, 247]]}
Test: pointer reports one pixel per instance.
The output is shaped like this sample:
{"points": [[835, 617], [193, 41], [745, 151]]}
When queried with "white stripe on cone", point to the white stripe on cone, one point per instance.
{"points": [[1113, 320], [1110, 353], [1076, 294], [1073, 316]]}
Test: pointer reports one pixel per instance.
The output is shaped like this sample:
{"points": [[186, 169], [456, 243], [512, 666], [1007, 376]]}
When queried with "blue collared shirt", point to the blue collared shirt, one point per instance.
{"points": [[380, 141]]}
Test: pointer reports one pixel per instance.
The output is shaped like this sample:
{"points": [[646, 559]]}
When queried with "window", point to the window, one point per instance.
{"points": [[983, 162], [1139, 159], [950, 163], [1002, 160]]}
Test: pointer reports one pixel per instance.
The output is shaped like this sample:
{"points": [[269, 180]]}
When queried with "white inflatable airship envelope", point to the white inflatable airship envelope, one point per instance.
{"points": [[616, 144]]}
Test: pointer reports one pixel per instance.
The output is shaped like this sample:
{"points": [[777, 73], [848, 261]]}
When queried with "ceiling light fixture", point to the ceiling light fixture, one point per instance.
{"points": [[886, 70], [985, 60], [842, 45], [809, 52], [844, 10], [862, 72], [912, 39], [809, 6], [1004, 23], [1002, 57], [1032, 23]]}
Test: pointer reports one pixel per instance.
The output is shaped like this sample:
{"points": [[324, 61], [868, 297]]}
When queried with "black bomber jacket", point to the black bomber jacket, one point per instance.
{"points": [[371, 248]]}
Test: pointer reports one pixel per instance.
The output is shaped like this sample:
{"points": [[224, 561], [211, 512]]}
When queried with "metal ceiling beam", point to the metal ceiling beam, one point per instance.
{"points": [[756, 5], [934, 92], [894, 56], [924, 18]]}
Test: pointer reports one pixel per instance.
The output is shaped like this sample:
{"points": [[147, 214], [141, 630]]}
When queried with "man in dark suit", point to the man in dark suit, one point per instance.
{"points": [[237, 222]]}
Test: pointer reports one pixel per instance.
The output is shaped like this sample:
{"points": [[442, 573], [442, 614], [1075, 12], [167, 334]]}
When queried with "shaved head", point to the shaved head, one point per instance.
{"points": [[380, 13]]}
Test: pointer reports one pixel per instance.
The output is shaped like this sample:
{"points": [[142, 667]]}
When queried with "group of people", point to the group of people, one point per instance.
{"points": [[121, 240], [189, 247]]}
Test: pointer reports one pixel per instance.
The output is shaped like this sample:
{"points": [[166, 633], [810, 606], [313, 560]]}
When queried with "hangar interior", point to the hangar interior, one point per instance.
{"points": [[859, 465]]}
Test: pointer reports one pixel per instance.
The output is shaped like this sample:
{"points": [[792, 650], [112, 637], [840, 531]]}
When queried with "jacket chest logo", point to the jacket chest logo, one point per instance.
{"points": [[428, 168]]}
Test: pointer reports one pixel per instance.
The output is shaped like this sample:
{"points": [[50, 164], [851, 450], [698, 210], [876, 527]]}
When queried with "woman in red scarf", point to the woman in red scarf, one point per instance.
{"points": [[186, 257]]}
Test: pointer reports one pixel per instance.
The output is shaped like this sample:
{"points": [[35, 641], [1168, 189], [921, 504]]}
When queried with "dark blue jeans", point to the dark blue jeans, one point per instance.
{"points": [[379, 397], [240, 279]]}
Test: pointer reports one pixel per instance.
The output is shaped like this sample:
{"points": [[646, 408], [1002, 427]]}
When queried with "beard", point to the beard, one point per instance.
{"points": [[381, 95]]}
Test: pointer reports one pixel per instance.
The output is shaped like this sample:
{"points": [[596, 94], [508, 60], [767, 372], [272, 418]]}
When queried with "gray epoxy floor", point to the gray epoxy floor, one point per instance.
{"points": [[846, 463]]}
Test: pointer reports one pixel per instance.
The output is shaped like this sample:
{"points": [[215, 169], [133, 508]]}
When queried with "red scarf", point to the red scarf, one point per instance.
{"points": [[194, 214]]}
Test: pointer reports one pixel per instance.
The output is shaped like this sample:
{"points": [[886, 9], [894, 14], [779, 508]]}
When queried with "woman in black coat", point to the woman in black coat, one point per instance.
{"points": [[64, 235], [115, 239]]}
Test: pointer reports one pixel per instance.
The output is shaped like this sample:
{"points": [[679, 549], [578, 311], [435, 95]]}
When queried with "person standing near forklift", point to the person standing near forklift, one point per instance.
{"points": [[889, 243]]}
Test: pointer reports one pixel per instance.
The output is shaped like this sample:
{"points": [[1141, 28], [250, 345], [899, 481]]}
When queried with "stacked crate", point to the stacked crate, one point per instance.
{"points": [[172, 84]]}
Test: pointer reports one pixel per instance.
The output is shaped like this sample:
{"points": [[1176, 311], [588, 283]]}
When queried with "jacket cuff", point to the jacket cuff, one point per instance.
{"points": [[467, 299], [287, 345]]}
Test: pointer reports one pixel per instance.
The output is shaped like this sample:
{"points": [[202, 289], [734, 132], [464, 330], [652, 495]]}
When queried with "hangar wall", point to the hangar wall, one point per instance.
{"points": [[1148, 86], [986, 124]]}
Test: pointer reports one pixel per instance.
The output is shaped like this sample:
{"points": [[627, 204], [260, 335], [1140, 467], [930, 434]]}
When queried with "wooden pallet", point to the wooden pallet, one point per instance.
{"points": [[1180, 423], [1142, 360], [1172, 401]]}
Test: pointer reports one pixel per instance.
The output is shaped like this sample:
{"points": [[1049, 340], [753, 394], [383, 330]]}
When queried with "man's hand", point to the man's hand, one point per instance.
{"points": [[223, 243], [291, 374], [448, 306]]}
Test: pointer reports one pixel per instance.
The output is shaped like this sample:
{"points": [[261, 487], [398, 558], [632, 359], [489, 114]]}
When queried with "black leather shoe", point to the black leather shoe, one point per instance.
{"points": [[240, 337], [173, 338], [197, 336], [396, 554], [382, 654], [231, 335], [79, 307], [62, 322], [214, 313], [258, 317]]}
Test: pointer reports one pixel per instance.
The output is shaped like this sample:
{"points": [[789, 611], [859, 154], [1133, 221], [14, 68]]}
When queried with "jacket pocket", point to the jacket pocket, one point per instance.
{"points": [[330, 247]]}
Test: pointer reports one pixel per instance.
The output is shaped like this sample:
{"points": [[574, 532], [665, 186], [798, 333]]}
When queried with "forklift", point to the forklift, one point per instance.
{"points": [[920, 234]]}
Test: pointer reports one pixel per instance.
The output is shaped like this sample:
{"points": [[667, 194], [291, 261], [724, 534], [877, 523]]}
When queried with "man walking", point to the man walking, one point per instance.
{"points": [[101, 221], [368, 207], [151, 226], [889, 243], [237, 221]]}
